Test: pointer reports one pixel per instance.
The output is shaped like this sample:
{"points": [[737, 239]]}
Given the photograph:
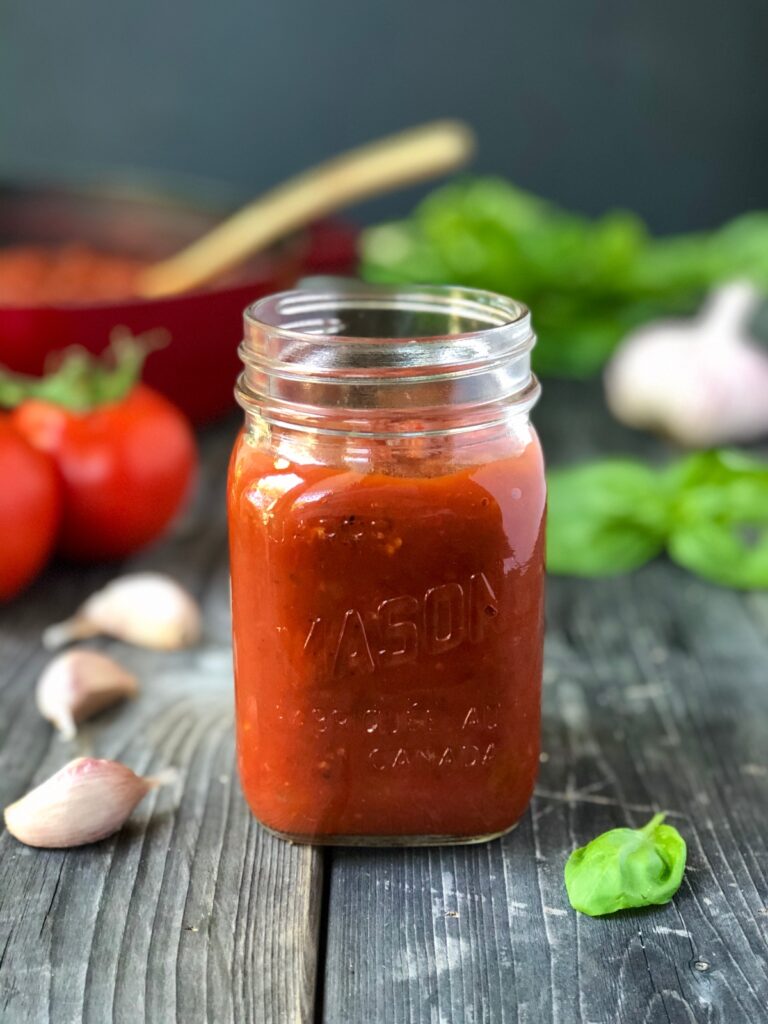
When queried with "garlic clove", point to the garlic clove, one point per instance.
{"points": [[79, 684], [147, 609], [87, 800]]}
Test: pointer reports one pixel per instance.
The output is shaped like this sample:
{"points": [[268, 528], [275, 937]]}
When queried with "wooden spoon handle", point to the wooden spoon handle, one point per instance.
{"points": [[398, 160]]}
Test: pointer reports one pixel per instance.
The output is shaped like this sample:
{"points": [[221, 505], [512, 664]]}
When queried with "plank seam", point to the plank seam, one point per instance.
{"points": [[326, 867]]}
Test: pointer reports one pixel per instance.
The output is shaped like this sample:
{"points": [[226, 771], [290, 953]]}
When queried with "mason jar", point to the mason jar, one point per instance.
{"points": [[386, 513]]}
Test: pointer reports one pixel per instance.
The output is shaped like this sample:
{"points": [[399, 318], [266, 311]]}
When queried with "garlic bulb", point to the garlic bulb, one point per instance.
{"points": [[87, 800], [702, 381], [79, 684], [147, 609]]}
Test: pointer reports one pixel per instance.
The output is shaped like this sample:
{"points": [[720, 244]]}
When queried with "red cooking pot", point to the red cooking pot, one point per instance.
{"points": [[198, 366]]}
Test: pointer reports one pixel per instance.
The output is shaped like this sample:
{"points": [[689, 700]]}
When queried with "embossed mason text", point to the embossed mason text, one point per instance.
{"points": [[401, 630]]}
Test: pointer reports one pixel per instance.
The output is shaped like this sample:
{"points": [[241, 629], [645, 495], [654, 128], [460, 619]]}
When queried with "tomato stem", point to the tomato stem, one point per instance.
{"points": [[81, 381]]}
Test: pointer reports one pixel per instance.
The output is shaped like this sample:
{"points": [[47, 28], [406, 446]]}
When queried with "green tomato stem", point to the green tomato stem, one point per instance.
{"points": [[81, 381]]}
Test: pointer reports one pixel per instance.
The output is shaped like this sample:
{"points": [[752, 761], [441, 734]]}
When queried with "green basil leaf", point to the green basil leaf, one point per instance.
{"points": [[605, 517], [709, 510], [588, 281], [720, 518], [626, 868], [729, 553], [719, 486], [716, 467]]}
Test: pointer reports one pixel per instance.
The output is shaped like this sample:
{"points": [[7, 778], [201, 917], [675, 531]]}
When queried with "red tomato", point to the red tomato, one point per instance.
{"points": [[126, 467], [30, 509]]}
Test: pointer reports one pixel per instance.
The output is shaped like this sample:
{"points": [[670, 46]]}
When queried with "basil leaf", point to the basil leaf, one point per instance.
{"points": [[588, 281], [723, 485], [709, 510], [720, 520], [625, 868], [716, 467], [723, 553], [605, 517]]}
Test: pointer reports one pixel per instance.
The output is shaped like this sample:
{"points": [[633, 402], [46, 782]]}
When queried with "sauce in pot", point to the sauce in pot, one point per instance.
{"points": [[33, 275]]}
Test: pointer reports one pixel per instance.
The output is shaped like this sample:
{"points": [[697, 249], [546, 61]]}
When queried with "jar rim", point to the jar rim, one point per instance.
{"points": [[492, 315], [381, 360]]}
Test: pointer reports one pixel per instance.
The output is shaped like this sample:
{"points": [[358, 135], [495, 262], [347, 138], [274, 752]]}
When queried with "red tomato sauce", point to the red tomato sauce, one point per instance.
{"points": [[33, 275], [388, 645]]}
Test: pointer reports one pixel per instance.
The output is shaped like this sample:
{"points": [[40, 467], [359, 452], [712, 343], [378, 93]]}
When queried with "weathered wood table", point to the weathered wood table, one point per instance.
{"points": [[656, 696]]}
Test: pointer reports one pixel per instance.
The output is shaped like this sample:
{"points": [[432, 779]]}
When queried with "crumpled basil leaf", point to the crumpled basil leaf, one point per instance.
{"points": [[605, 517], [708, 510], [626, 868], [588, 281], [720, 523], [729, 553]]}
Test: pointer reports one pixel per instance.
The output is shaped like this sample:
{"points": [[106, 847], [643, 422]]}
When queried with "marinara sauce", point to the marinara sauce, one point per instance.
{"points": [[33, 275], [386, 507]]}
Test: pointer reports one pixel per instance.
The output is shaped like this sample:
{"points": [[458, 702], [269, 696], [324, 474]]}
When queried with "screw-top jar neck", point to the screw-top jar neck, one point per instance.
{"points": [[377, 361]]}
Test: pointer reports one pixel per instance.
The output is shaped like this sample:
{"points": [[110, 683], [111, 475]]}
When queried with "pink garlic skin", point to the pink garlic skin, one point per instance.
{"points": [[85, 801], [79, 684], [148, 609], [701, 382]]}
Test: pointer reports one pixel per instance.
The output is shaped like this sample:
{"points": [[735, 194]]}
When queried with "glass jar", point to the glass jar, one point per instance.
{"points": [[386, 510]]}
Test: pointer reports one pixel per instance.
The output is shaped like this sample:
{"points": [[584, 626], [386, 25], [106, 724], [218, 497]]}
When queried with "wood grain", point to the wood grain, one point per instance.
{"points": [[192, 913], [656, 697]]}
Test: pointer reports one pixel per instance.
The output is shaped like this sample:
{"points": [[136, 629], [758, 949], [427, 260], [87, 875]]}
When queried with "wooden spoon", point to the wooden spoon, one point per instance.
{"points": [[397, 160]]}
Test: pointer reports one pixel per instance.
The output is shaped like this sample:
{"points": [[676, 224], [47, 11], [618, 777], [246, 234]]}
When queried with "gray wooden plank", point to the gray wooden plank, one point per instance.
{"points": [[193, 913], [656, 697]]}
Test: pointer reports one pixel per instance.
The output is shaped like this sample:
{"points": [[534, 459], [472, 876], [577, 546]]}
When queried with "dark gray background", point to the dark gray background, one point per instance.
{"points": [[658, 106]]}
